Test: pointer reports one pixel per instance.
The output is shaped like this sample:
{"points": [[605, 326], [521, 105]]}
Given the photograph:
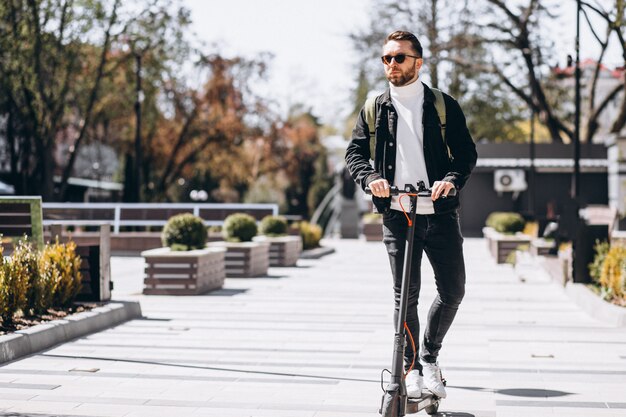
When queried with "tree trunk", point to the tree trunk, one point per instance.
{"points": [[90, 105], [433, 37]]}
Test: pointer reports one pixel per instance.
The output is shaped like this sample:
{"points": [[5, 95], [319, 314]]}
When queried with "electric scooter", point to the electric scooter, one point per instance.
{"points": [[395, 402]]}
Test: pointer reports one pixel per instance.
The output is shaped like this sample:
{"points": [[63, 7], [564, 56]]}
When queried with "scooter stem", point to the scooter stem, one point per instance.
{"points": [[395, 399]]}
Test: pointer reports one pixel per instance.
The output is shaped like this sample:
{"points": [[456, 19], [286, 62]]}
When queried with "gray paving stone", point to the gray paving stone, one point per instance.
{"points": [[311, 341]]}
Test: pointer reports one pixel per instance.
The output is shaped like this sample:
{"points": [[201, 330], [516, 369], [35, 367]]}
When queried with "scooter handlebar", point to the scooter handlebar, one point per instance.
{"points": [[394, 190]]}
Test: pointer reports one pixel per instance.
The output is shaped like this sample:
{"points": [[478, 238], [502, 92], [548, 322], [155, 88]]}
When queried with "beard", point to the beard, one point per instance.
{"points": [[402, 77]]}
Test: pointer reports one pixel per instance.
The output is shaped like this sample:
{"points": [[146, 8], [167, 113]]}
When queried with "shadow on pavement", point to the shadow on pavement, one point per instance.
{"points": [[146, 318], [520, 392], [225, 292], [532, 392], [211, 368]]}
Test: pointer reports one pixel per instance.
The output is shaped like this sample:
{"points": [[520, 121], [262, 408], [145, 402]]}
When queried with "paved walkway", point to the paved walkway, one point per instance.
{"points": [[311, 342]]}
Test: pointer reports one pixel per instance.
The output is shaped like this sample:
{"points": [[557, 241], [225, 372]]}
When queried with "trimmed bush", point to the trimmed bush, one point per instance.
{"points": [[506, 222], [311, 235], [13, 290], [613, 275], [601, 249], [184, 232], [25, 261], [239, 227], [49, 278], [64, 259], [33, 281], [273, 226]]}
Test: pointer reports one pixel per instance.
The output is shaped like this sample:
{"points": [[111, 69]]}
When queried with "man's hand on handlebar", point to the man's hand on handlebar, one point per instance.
{"points": [[379, 188], [441, 188]]}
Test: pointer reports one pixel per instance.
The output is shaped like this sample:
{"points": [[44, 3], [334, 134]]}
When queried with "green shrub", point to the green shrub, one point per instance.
{"points": [[239, 227], [13, 290], [601, 249], [613, 275], [64, 259], [49, 278], [184, 232], [506, 222], [372, 218], [273, 226], [311, 235], [25, 261]]}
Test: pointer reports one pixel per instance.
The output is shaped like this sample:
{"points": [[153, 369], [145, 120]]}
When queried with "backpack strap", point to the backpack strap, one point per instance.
{"points": [[370, 118], [440, 106]]}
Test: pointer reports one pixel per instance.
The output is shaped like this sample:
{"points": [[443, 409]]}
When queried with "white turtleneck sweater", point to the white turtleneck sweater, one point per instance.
{"points": [[410, 163]]}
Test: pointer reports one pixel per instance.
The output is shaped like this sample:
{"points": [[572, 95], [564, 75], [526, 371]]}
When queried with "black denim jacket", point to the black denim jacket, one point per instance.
{"points": [[439, 166]]}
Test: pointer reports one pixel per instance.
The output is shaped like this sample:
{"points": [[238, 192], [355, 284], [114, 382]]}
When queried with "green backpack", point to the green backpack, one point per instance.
{"points": [[370, 118]]}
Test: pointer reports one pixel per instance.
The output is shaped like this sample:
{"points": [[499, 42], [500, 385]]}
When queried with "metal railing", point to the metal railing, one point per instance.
{"points": [[116, 214]]}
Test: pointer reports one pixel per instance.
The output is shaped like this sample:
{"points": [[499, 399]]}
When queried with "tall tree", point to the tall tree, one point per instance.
{"points": [[518, 49], [303, 163], [65, 76], [209, 128], [44, 66], [615, 20], [448, 33]]}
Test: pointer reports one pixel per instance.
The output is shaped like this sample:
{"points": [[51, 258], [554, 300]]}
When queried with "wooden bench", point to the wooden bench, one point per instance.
{"points": [[20, 216]]}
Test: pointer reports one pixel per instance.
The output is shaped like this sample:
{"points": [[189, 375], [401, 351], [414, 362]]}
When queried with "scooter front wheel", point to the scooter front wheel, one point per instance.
{"points": [[432, 409], [391, 405]]}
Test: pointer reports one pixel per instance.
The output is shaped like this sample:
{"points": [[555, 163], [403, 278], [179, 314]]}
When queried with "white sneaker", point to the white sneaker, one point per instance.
{"points": [[414, 384], [433, 380]]}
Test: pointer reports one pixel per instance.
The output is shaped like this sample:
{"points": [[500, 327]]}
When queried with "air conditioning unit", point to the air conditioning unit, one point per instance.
{"points": [[509, 180]]}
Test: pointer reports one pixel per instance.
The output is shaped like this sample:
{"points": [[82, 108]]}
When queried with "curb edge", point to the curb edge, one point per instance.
{"points": [[43, 336]]}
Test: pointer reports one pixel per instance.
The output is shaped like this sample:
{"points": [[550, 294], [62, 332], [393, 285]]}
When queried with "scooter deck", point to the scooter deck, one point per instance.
{"points": [[428, 401]]}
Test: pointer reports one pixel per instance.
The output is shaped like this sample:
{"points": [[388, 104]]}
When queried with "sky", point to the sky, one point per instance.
{"points": [[314, 61], [313, 57]]}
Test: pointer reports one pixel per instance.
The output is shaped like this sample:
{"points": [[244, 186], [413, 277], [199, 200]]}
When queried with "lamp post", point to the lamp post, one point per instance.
{"points": [[582, 244], [531, 171], [139, 96], [136, 46], [575, 191]]}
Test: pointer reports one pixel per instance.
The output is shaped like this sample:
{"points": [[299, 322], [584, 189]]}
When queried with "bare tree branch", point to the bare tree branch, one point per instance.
{"points": [[593, 125], [90, 104], [620, 121]]}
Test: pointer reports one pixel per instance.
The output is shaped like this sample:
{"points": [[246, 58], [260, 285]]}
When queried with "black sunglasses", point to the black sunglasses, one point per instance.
{"points": [[399, 58]]}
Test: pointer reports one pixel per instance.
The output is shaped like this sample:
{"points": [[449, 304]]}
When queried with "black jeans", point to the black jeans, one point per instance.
{"points": [[439, 235]]}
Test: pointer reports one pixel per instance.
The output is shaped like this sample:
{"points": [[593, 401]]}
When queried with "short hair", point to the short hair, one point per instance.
{"points": [[401, 35]]}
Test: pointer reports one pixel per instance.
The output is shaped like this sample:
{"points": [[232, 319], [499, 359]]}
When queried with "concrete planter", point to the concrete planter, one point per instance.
{"points": [[373, 232], [541, 246], [183, 272], [284, 250], [245, 259], [501, 245]]}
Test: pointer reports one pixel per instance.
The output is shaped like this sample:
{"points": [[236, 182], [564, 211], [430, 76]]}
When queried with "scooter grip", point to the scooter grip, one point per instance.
{"points": [[393, 190], [451, 193]]}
